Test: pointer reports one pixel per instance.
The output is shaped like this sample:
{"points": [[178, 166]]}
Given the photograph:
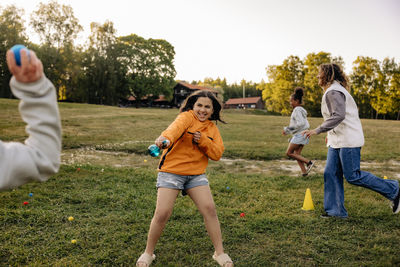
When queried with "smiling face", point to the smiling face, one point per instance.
{"points": [[203, 108]]}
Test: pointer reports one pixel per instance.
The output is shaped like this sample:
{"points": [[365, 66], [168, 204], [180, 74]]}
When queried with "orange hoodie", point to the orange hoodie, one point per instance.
{"points": [[183, 156]]}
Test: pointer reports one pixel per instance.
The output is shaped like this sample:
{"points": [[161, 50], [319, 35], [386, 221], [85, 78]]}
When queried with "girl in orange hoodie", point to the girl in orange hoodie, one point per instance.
{"points": [[188, 144]]}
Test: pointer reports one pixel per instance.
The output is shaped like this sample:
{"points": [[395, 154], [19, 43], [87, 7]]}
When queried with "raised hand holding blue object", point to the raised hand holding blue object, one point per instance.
{"points": [[17, 52]]}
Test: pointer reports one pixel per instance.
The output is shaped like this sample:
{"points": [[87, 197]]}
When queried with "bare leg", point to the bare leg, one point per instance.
{"points": [[291, 153], [165, 203], [294, 152], [301, 163], [201, 196]]}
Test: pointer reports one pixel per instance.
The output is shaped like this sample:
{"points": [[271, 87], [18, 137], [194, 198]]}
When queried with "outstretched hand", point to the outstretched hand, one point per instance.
{"points": [[309, 133], [31, 69]]}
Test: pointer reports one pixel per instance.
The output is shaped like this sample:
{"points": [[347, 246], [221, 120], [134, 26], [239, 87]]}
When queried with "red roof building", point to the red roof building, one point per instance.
{"points": [[248, 102], [184, 89]]}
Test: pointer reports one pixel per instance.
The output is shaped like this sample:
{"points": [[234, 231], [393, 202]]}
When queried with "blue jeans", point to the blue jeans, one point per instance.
{"points": [[346, 162]]}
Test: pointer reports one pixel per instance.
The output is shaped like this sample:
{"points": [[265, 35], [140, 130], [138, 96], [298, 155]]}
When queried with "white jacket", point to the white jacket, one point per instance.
{"points": [[39, 157], [298, 121], [349, 132]]}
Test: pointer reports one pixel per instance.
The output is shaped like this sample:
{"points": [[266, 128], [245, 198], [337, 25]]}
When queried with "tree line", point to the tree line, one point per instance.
{"points": [[234, 90], [109, 68], [106, 69]]}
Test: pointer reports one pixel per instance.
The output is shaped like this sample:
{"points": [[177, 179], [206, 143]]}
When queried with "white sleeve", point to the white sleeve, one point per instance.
{"points": [[39, 157], [298, 121]]}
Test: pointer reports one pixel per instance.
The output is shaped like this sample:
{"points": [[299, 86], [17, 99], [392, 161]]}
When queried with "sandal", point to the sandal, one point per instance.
{"points": [[222, 259], [146, 258]]}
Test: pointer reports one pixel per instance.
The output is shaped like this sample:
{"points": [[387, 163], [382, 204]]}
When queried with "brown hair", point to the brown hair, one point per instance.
{"points": [[189, 102], [298, 94], [328, 73]]}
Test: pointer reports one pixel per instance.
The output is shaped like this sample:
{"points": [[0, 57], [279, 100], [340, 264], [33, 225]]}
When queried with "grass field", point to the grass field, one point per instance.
{"points": [[107, 183]]}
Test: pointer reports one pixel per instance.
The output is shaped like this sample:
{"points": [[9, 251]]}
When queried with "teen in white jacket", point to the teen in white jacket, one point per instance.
{"points": [[39, 157]]}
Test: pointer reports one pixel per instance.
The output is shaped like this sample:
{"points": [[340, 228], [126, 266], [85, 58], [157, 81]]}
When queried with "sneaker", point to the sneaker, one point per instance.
{"points": [[327, 216], [396, 206], [310, 165]]}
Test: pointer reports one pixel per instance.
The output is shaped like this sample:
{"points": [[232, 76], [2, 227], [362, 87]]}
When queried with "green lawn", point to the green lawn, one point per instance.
{"points": [[113, 206]]}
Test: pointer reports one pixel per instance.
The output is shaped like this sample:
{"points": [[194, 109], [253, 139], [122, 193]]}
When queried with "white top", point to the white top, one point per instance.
{"points": [[39, 157], [349, 132], [298, 121]]}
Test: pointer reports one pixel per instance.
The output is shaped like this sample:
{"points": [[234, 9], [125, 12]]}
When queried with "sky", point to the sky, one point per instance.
{"points": [[238, 39]]}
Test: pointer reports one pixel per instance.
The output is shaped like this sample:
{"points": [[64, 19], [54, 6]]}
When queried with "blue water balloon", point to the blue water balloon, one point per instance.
{"points": [[17, 52]]}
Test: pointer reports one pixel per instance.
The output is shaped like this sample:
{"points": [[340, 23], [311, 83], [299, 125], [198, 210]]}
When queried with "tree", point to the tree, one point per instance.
{"points": [[394, 89], [12, 32], [365, 83], [150, 66], [282, 79], [58, 28], [102, 79], [386, 97], [55, 24], [313, 92]]}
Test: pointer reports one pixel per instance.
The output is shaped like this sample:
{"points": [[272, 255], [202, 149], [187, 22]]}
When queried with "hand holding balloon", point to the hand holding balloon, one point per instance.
{"points": [[24, 64], [17, 52], [160, 143]]}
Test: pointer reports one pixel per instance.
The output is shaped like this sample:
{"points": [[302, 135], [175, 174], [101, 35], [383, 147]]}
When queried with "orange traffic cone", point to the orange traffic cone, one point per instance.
{"points": [[308, 203]]}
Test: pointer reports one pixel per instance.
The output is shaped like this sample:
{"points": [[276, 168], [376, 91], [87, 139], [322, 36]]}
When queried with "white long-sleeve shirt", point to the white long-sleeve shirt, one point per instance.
{"points": [[39, 157], [298, 121]]}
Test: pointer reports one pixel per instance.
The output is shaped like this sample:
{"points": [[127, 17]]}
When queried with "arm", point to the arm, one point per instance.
{"points": [[39, 157], [212, 146], [174, 130], [336, 102], [297, 121]]}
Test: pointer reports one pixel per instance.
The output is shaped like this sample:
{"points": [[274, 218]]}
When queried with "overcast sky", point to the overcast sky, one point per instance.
{"points": [[238, 39]]}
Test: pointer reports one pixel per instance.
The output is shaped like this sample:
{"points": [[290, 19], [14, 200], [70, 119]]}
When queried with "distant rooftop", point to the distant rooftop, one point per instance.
{"points": [[247, 100], [195, 86]]}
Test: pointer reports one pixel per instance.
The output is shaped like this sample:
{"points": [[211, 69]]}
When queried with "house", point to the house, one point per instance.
{"points": [[248, 102], [147, 101], [183, 89]]}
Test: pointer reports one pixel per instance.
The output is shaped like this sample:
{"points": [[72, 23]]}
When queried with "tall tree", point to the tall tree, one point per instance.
{"points": [[103, 74], [282, 79], [387, 98], [58, 28], [313, 92], [12, 32], [150, 66], [55, 24], [365, 83], [394, 89]]}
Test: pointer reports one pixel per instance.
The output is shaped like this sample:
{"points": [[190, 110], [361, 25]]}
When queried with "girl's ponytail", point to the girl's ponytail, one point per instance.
{"points": [[298, 94]]}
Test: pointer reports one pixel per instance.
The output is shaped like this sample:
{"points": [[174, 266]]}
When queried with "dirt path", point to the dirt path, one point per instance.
{"points": [[390, 168]]}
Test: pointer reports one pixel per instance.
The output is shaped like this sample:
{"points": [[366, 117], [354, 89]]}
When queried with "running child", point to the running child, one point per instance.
{"points": [[189, 142], [298, 124]]}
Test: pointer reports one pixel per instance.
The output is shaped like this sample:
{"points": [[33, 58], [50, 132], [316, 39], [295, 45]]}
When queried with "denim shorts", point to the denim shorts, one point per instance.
{"points": [[180, 182], [299, 139]]}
